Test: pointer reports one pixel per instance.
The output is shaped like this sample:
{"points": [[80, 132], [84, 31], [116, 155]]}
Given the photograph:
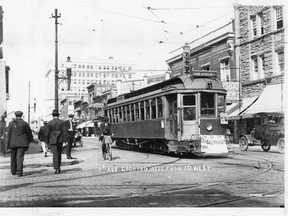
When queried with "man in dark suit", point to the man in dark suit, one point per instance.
{"points": [[19, 136], [42, 139], [55, 136], [70, 136]]}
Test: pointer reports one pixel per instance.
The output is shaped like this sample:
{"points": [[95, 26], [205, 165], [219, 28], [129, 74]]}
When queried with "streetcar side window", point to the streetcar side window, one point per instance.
{"points": [[120, 114], [124, 114], [132, 113], [147, 108], [137, 111], [142, 110], [117, 114], [159, 107], [207, 103], [153, 108], [221, 103], [128, 112], [189, 108]]}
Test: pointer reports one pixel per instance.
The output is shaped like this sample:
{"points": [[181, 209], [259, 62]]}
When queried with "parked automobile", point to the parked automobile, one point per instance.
{"points": [[269, 131]]}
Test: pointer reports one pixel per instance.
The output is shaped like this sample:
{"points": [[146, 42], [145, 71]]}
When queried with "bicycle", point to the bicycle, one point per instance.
{"points": [[107, 152]]}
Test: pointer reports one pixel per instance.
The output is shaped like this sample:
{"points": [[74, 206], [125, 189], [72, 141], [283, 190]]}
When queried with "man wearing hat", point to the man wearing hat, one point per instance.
{"points": [[42, 138], [70, 136], [19, 135], [55, 136]]}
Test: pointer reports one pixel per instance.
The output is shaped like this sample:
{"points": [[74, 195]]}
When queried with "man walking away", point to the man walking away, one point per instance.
{"points": [[42, 138], [70, 136], [56, 135], [19, 135]]}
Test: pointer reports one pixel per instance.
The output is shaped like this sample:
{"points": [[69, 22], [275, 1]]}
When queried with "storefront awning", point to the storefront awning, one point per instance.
{"points": [[235, 110], [91, 124], [96, 105], [270, 101], [83, 124]]}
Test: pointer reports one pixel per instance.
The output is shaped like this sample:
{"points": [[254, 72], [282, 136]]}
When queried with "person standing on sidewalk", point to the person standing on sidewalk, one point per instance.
{"points": [[19, 136], [70, 136], [42, 138], [3, 135], [55, 136]]}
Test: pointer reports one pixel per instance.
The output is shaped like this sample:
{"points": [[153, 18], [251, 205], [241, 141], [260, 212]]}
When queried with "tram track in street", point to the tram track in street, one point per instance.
{"points": [[205, 185]]}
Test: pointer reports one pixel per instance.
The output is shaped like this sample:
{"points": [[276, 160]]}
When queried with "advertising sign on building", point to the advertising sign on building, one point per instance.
{"points": [[232, 88]]}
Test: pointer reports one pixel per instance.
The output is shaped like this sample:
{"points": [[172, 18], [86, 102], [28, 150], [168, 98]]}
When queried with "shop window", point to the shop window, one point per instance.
{"points": [[280, 62], [225, 70], [279, 17], [262, 69], [261, 18], [254, 27], [255, 68], [206, 67]]}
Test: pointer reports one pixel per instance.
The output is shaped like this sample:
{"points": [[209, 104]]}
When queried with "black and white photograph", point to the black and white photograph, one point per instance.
{"points": [[136, 107]]}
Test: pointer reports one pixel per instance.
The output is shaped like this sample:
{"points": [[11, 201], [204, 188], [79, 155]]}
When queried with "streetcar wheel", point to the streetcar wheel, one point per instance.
{"points": [[243, 143], [281, 145], [266, 145]]}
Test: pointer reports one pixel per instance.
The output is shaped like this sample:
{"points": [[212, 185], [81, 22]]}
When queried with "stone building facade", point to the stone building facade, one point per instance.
{"points": [[259, 49], [259, 45]]}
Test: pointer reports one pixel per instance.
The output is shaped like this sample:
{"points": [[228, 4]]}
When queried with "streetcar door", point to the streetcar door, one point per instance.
{"points": [[188, 123], [172, 116]]}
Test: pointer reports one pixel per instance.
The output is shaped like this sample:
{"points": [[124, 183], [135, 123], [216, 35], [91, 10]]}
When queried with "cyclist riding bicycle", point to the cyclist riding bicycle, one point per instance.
{"points": [[105, 137]]}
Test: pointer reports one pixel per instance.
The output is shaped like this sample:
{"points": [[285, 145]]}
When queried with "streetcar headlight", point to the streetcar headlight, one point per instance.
{"points": [[209, 127]]}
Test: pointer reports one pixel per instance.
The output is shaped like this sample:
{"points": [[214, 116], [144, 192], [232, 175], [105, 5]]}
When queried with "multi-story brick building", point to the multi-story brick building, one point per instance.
{"points": [[217, 55], [102, 72], [259, 48]]}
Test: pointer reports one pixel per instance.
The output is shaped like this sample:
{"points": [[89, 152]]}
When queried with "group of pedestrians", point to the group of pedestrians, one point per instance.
{"points": [[52, 135]]}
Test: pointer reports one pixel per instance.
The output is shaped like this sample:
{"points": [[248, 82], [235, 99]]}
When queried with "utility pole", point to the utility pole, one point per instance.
{"points": [[29, 104], [56, 16]]}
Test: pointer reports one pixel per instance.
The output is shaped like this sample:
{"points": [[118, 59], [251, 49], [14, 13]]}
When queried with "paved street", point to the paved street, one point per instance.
{"points": [[138, 179]]}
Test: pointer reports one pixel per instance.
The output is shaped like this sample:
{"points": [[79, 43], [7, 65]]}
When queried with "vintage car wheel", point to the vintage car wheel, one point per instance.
{"points": [[266, 145], [243, 143], [281, 145]]}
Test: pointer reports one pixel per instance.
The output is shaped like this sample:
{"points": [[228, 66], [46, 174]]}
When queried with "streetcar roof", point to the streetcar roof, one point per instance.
{"points": [[175, 83]]}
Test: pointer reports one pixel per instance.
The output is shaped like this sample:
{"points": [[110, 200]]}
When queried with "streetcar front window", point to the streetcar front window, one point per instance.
{"points": [[221, 104], [207, 104], [189, 108]]}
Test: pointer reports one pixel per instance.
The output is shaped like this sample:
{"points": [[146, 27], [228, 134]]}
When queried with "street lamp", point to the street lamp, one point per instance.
{"points": [[68, 72]]}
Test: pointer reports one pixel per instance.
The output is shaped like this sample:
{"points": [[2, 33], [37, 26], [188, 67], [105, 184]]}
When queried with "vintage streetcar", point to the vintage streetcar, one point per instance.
{"points": [[185, 114]]}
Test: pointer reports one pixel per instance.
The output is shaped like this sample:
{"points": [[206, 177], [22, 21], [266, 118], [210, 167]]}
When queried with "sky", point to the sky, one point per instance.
{"points": [[145, 32]]}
